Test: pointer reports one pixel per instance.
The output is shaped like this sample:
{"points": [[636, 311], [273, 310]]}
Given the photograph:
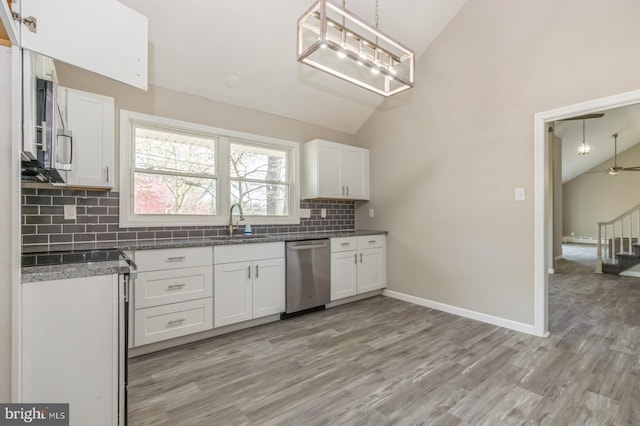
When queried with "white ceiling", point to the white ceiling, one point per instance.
{"points": [[203, 47], [598, 134]]}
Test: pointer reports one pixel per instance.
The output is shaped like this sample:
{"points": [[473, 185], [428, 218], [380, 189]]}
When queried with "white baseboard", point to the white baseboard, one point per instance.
{"points": [[478, 316], [581, 240]]}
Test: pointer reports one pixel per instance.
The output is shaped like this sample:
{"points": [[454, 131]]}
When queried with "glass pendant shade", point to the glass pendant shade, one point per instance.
{"points": [[583, 148], [332, 39]]}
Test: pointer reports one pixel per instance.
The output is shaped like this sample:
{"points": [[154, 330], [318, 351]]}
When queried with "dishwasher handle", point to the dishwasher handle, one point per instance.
{"points": [[309, 246]]}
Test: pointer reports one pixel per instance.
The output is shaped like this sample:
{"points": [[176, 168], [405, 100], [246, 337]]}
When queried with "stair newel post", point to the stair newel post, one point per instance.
{"points": [[599, 259]]}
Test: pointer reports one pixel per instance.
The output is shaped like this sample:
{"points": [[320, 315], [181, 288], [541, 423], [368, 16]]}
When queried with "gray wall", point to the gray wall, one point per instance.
{"points": [[598, 197], [447, 155], [558, 207], [180, 106]]}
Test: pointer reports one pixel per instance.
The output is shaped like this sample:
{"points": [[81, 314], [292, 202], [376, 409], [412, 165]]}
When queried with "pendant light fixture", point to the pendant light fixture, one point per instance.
{"points": [[583, 148], [334, 40]]}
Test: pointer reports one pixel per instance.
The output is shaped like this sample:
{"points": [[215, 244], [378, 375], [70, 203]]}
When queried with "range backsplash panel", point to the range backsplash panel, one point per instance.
{"points": [[97, 220]]}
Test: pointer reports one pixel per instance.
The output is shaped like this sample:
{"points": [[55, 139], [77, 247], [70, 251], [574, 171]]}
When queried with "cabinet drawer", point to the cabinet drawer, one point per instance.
{"points": [[150, 260], [156, 288], [343, 244], [370, 241], [175, 320], [247, 252]]}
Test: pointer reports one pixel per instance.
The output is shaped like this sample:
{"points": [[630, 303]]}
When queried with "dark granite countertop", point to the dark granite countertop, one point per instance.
{"points": [[73, 270], [77, 270]]}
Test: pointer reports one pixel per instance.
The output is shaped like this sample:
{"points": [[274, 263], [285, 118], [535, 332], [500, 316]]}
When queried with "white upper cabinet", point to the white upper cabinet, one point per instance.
{"points": [[90, 119], [336, 171], [103, 36]]}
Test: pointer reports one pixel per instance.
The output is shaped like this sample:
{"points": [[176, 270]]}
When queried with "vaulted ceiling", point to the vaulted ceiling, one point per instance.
{"points": [[244, 53], [598, 134]]}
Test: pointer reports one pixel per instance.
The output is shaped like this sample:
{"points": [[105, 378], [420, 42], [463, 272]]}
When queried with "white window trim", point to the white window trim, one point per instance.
{"points": [[130, 220]]}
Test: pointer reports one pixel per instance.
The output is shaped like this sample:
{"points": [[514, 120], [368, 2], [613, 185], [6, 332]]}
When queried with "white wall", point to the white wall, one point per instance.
{"points": [[5, 224], [597, 197], [447, 155]]}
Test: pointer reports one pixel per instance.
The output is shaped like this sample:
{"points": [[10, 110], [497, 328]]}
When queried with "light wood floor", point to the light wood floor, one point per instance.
{"points": [[383, 361]]}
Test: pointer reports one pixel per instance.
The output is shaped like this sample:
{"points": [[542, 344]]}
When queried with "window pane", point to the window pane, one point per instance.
{"points": [[174, 152], [259, 163], [261, 199], [174, 195]]}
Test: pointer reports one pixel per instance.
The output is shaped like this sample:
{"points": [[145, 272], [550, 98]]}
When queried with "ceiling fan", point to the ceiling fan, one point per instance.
{"points": [[613, 171]]}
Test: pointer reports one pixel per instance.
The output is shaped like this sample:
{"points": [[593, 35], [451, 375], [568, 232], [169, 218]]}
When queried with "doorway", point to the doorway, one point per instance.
{"points": [[543, 194]]}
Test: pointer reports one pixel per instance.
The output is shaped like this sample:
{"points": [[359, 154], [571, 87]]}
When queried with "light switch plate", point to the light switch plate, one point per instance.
{"points": [[323, 213], [371, 213], [519, 194], [305, 213], [69, 211]]}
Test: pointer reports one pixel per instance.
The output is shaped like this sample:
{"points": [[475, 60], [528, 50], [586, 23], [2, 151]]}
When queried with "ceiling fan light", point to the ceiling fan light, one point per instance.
{"points": [[613, 172]]}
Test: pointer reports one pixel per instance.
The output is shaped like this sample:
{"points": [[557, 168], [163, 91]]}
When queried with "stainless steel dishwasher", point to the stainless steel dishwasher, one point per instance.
{"points": [[308, 276]]}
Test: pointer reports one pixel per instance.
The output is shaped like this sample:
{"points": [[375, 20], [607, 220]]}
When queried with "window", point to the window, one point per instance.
{"points": [[174, 173], [178, 173], [259, 179]]}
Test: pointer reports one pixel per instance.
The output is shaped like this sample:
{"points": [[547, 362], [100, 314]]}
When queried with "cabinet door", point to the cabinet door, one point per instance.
{"points": [[91, 119], [355, 172], [232, 289], [371, 270], [70, 346], [329, 179], [268, 287], [343, 274], [104, 36]]}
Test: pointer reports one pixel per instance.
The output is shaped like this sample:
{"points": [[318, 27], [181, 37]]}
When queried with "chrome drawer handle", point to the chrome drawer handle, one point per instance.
{"points": [[360, 257], [176, 258], [176, 286], [372, 241], [177, 321], [257, 271], [355, 258], [345, 244]]}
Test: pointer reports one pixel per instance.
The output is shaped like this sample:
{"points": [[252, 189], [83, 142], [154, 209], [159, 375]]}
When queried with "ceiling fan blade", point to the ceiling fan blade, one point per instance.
{"points": [[584, 117], [631, 169], [598, 171]]}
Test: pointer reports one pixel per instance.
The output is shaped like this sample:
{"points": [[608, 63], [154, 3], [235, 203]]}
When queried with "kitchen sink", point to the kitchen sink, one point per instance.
{"points": [[240, 237]]}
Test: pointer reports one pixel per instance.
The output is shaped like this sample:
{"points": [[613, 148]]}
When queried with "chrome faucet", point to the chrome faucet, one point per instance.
{"points": [[231, 227]]}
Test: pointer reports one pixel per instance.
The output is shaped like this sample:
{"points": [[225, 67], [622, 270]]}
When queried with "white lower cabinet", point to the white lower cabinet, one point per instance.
{"points": [[173, 292], [70, 349], [344, 274], [357, 265], [249, 282]]}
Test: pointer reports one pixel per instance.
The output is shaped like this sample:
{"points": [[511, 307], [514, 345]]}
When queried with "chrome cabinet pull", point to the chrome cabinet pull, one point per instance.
{"points": [[257, 266], [176, 258], [372, 241], [345, 244], [343, 190], [355, 258], [347, 191], [107, 173], [360, 257], [176, 321], [249, 272], [176, 286]]}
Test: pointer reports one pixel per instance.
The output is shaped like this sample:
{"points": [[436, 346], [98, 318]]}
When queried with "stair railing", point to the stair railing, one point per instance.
{"points": [[614, 236]]}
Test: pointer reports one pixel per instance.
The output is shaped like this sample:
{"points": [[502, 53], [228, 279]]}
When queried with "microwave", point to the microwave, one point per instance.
{"points": [[47, 146]]}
